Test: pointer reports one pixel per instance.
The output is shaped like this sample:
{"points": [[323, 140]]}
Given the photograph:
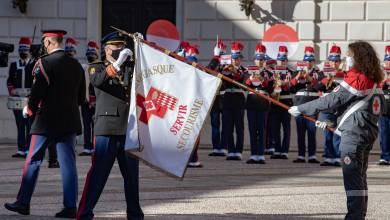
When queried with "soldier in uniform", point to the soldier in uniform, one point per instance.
{"points": [[58, 89], [111, 80], [70, 50], [330, 81], [192, 54], [70, 46], [219, 148], [269, 148], [384, 121], [362, 103], [233, 104], [20, 80], [257, 107], [305, 83], [282, 91], [88, 107]]}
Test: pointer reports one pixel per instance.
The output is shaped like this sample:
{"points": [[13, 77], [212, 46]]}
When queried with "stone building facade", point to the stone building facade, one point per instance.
{"points": [[318, 22]]}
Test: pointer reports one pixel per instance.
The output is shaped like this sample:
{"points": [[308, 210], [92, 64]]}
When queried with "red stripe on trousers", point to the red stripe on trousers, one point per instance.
{"points": [[84, 196]]}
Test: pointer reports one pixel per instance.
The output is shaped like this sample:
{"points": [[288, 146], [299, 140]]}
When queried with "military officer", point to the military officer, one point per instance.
{"points": [[58, 89], [219, 148], [283, 91], [384, 121], [70, 50], [18, 81], [88, 107], [361, 102], [305, 83], [111, 80], [234, 104]]}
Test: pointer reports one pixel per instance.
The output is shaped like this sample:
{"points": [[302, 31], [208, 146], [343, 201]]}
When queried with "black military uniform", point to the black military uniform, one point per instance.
{"points": [[233, 112], [57, 92], [112, 109], [219, 147], [306, 92], [256, 109], [278, 117], [19, 83]]}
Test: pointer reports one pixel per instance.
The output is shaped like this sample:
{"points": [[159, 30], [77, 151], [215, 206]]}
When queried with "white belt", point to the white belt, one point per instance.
{"points": [[259, 91], [307, 94], [286, 97], [354, 108], [222, 92], [233, 90], [387, 96]]}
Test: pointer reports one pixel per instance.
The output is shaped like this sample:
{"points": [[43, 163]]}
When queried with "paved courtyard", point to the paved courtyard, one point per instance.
{"points": [[221, 190]]}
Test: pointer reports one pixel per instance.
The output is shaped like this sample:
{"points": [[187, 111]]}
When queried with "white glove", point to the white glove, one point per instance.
{"points": [[321, 124], [25, 112], [294, 111], [122, 58], [217, 51]]}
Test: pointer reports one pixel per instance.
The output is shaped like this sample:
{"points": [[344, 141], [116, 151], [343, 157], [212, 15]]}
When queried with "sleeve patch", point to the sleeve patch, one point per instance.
{"points": [[91, 70]]}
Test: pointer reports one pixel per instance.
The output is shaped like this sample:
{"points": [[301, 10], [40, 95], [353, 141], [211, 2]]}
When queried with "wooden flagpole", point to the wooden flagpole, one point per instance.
{"points": [[214, 73]]}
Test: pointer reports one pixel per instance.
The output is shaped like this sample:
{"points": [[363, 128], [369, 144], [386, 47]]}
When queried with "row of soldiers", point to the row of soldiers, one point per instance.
{"points": [[276, 79], [265, 120], [20, 78]]}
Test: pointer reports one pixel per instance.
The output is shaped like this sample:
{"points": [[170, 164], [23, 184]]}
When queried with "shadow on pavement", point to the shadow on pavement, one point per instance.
{"points": [[314, 216]]}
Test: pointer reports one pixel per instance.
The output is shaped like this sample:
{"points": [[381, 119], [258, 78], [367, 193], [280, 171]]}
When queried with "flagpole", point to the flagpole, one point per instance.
{"points": [[214, 73]]}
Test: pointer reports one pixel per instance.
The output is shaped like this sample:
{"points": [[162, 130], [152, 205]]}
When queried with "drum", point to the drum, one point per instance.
{"points": [[17, 103]]}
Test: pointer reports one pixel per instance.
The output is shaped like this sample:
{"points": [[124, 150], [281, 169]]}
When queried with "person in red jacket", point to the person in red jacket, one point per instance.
{"points": [[305, 83], [279, 117], [333, 76], [361, 103], [234, 104], [257, 107]]}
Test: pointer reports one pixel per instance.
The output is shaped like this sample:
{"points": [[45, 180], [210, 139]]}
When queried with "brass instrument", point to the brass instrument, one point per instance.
{"points": [[277, 86], [330, 82]]}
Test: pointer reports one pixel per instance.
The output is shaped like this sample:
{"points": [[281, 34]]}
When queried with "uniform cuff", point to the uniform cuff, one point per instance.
{"points": [[111, 71]]}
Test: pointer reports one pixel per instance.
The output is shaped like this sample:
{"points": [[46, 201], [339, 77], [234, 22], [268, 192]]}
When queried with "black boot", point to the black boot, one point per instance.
{"points": [[19, 208], [67, 213], [54, 164]]}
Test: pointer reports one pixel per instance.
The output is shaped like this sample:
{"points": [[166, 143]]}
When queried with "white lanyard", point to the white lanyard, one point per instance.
{"points": [[19, 67], [354, 108]]}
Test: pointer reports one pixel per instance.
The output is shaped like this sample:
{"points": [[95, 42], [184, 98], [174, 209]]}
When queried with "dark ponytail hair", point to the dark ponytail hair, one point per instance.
{"points": [[366, 60]]}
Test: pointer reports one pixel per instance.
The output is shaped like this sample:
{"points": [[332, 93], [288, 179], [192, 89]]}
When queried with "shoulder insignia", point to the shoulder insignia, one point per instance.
{"points": [[91, 70]]}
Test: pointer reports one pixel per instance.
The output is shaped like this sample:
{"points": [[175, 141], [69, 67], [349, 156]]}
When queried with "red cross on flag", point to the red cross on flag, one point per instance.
{"points": [[169, 103]]}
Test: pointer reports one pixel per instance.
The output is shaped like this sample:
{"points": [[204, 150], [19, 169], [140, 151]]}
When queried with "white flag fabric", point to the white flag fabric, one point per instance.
{"points": [[169, 103]]}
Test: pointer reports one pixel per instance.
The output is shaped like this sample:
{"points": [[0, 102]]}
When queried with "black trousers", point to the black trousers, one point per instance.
{"points": [[355, 163]]}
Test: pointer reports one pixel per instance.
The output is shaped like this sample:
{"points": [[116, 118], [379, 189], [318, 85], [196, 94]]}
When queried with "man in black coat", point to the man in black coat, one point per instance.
{"points": [[57, 92]]}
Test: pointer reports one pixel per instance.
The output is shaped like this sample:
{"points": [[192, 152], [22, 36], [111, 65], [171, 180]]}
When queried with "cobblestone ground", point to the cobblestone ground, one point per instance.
{"points": [[221, 190]]}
